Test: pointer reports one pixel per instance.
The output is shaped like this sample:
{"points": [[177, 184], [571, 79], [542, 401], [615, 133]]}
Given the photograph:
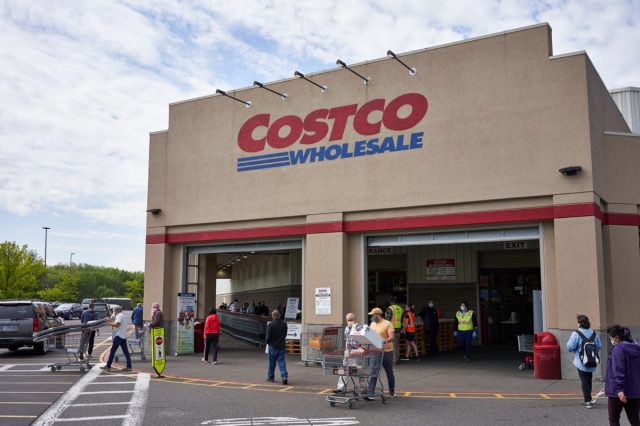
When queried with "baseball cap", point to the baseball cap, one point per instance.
{"points": [[375, 311]]}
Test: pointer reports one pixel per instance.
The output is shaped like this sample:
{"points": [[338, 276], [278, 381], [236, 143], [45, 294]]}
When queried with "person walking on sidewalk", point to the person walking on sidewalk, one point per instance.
{"points": [[348, 346], [622, 382], [585, 345], [276, 338], [211, 336], [466, 326], [387, 331], [119, 338], [409, 329], [90, 335], [136, 319]]}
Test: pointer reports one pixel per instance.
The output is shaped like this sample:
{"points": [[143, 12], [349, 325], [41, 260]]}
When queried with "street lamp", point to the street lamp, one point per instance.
{"points": [[70, 260], [46, 229]]}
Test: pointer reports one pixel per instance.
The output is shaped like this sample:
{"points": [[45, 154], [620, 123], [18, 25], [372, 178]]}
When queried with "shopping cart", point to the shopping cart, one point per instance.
{"points": [[316, 344], [74, 349], [136, 344], [359, 371], [525, 346]]}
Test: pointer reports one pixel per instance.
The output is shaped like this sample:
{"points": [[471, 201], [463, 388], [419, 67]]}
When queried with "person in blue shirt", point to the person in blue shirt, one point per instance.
{"points": [[585, 373], [88, 336], [136, 319]]}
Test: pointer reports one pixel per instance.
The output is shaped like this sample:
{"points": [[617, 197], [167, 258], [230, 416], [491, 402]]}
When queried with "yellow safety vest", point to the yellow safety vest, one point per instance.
{"points": [[396, 316], [465, 321]]}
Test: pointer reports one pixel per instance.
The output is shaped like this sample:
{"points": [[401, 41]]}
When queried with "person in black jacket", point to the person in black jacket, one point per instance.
{"points": [[276, 337]]}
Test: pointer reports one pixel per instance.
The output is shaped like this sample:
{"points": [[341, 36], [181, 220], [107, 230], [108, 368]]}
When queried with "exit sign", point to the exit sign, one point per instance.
{"points": [[515, 245]]}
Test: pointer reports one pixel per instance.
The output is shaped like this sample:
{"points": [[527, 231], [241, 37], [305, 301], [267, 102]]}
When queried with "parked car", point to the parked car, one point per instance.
{"points": [[102, 310], [85, 303], [69, 310], [20, 319]]}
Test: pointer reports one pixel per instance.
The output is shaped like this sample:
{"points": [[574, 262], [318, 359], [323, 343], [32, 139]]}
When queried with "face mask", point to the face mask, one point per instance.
{"points": [[375, 318], [431, 305], [350, 323], [462, 308], [613, 342]]}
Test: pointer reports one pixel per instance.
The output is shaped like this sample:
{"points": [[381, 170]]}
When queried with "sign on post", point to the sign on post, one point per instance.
{"points": [[292, 308], [294, 331], [158, 356]]}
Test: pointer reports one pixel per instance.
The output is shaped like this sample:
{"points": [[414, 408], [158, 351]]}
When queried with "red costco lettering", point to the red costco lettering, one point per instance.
{"points": [[286, 131]]}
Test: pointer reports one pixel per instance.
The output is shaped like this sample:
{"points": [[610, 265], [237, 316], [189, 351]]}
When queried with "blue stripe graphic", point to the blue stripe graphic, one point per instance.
{"points": [[243, 168], [262, 157], [267, 161]]}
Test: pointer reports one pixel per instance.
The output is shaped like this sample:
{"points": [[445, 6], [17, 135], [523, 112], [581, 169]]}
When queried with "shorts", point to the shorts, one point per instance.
{"points": [[410, 336]]}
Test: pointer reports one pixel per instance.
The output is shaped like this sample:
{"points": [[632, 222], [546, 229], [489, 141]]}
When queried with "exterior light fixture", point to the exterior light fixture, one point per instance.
{"points": [[366, 80], [284, 96], [154, 212], [570, 170], [323, 88], [412, 70], [223, 93]]}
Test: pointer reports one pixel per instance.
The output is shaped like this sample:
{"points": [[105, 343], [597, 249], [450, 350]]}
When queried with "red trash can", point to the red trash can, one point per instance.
{"points": [[546, 356], [198, 336]]}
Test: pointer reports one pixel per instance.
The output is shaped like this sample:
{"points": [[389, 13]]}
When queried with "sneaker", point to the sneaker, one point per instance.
{"points": [[285, 382], [368, 398], [392, 395], [587, 404], [270, 380], [215, 362], [404, 359], [592, 402], [205, 361], [128, 369], [105, 368]]}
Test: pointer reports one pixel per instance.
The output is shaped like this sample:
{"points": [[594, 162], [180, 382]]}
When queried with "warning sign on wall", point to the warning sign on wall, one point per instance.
{"points": [[441, 269]]}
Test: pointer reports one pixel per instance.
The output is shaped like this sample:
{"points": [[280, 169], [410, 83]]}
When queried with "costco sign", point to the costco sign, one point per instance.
{"points": [[293, 137]]}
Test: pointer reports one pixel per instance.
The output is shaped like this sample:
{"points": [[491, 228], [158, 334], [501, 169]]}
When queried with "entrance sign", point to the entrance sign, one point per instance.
{"points": [[294, 331], [379, 250], [441, 269], [323, 301], [186, 315], [291, 311], [158, 356]]}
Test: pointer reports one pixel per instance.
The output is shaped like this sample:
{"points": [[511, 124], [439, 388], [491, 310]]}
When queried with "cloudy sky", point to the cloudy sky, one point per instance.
{"points": [[84, 82]]}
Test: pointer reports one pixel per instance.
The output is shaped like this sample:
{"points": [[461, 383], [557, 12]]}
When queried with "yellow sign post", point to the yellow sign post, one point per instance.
{"points": [[158, 358]]}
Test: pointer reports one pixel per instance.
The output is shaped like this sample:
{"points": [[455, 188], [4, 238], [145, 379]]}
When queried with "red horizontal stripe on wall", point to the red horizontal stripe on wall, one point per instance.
{"points": [[623, 219], [534, 214]]}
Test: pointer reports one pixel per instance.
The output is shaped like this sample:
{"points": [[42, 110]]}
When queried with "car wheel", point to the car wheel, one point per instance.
{"points": [[43, 347]]}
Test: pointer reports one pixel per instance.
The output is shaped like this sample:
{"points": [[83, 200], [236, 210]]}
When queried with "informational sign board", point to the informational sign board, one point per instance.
{"points": [[323, 301], [186, 316], [294, 331], [158, 356], [441, 269], [292, 308]]}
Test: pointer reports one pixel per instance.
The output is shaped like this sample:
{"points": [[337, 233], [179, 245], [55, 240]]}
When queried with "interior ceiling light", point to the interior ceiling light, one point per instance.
{"points": [[323, 88], [284, 96], [412, 70], [366, 80], [223, 93]]}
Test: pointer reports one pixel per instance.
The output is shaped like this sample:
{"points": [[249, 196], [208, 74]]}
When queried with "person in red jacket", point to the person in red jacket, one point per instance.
{"points": [[211, 336]]}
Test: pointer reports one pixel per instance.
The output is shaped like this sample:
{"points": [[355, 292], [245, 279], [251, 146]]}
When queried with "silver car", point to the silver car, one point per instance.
{"points": [[21, 319]]}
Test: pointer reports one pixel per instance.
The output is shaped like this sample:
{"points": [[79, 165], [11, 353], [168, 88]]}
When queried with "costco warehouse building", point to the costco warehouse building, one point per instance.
{"points": [[497, 173]]}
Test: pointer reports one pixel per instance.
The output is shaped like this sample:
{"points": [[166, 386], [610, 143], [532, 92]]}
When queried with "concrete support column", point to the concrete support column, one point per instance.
{"points": [[207, 272], [158, 286], [324, 266]]}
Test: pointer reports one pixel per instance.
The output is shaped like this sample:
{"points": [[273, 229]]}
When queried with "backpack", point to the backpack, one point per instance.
{"points": [[588, 350]]}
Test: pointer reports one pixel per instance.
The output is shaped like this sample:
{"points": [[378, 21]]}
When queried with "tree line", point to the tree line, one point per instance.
{"points": [[23, 275]]}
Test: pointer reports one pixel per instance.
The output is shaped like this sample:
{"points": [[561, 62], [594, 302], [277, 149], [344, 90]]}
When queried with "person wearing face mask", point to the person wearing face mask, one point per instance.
{"points": [[466, 326], [409, 329], [622, 382], [351, 323], [157, 318], [385, 330], [431, 319], [576, 343]]}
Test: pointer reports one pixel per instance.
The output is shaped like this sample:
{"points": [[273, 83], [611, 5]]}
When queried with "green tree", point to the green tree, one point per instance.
{"points": [[134, 290], [20, 270], [65, 289]]}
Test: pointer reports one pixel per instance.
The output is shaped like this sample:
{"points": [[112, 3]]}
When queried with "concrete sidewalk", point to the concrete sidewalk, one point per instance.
{"points": [[491, 372]]}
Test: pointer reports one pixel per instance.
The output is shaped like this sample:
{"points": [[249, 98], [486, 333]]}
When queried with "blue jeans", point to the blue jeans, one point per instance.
{"points": [[277, 355], [387, 364], [119, 342], [464, 338]]}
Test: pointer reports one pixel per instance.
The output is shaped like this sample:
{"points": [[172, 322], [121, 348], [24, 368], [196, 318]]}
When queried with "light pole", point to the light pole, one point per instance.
{"points": [[46, 229], [70, 260]]}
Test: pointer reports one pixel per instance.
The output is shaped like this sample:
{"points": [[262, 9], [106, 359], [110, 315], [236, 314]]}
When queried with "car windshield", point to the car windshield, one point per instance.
{"points": [[16, 311], [64, 306], [87, 300]]}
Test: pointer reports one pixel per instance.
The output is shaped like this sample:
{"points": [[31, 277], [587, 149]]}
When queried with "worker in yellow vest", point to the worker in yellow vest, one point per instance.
{"points": [[466, 326], [394, 315]]}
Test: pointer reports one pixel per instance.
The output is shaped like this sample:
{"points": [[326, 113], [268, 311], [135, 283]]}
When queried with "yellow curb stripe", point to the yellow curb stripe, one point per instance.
{"points": [[544, 396], [499, 396], [288, 388], [408, 393], [5, 416], [452, 395], [26, 403]]}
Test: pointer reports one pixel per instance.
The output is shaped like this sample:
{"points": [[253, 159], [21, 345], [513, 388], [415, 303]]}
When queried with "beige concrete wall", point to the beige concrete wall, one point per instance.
{"points": [[579, 286], [354, 283], [207, 274], [549, 279], [487, 100], [157, 282]]}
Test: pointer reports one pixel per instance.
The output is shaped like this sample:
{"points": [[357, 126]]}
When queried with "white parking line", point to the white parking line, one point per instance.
{"points": [[88, 419], [6, 367], [103, 392], [95, 404], [135, 412], [130, 382]]}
